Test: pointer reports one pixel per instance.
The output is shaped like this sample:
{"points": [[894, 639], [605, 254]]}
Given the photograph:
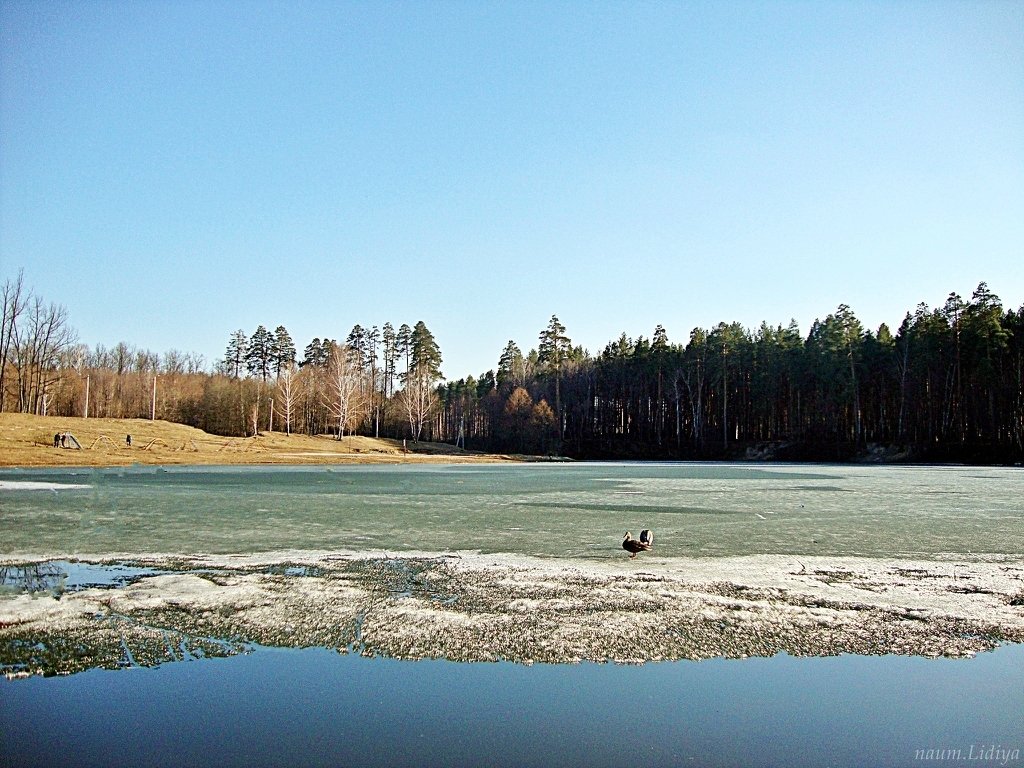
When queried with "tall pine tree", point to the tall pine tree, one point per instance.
{"points": [[553, 352], [260, 357], [283, 350], [235, 355]]}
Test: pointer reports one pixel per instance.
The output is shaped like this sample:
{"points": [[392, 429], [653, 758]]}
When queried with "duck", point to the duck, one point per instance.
{"points": [[643, 544]]}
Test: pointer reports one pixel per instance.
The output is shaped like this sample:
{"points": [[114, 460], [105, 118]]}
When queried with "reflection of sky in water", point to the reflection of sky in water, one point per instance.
{"points": [[58, 576], [577, 510], [314, 707]]}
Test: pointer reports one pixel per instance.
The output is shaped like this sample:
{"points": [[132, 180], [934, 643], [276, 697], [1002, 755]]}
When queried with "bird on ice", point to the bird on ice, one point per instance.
{"points": [[643, 544]]}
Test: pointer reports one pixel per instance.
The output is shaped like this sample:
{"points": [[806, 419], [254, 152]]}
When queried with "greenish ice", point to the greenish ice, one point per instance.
{"points": [[553, 510]]}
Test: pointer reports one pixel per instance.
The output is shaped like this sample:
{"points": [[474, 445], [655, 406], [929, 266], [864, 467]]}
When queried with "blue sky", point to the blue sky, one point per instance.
{"points": [[173, 171]]}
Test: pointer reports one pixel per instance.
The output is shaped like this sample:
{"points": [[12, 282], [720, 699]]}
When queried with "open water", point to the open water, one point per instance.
{"points": [[316, 708], [548, 510]]}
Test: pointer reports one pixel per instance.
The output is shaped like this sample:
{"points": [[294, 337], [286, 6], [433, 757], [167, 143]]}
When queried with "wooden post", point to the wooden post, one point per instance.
{"points": [[152, 410], [87, 396]]}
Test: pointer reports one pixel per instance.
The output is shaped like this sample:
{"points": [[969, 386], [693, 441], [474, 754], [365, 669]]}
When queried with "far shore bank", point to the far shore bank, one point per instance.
{"points": [[28, 441]]}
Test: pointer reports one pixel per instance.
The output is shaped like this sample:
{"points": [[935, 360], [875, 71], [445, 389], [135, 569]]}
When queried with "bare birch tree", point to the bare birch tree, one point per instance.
{"points": [[343, 386], [418, 400], [288, 388]]}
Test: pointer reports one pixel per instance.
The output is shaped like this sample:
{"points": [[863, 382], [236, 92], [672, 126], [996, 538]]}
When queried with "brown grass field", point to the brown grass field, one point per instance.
{"points": [[27, 441]]}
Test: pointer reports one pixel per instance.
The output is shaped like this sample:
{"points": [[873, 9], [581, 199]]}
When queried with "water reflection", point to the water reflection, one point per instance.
{"points": [[316, 707], [58, 576], [32, 579]]}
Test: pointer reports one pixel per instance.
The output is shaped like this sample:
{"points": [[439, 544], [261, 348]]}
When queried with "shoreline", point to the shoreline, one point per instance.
{"points": [[468, 606], [27, 442]]}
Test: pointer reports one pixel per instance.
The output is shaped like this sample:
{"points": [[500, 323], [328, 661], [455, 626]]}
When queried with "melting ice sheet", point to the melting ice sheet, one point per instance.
{"points": [[557, 510]]}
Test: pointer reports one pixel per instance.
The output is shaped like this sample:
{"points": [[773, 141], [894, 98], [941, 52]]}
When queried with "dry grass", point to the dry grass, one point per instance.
{"points": [[27, 441]]}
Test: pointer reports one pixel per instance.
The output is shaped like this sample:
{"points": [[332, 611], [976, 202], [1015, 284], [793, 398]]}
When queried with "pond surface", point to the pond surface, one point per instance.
{"points": [[549, 510], [315, 707]]}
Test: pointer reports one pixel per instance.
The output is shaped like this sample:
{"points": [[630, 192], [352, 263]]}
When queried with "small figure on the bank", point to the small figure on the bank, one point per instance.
{"points": [[643, 544], [128, 440], [63, 439], [56, 440]]}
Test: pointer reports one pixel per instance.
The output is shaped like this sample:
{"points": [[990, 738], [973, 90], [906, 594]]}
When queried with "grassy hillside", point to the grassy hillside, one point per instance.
{"points": [[27, 441]]}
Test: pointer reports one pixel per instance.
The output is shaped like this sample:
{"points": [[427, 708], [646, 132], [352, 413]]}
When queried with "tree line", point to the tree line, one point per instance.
{"points": [[947, 385], [378, 381]]}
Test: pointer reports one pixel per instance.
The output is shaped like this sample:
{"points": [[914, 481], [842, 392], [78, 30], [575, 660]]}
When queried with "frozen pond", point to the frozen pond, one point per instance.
{"points": [[315, 707], [869, 577], [549, 510]]}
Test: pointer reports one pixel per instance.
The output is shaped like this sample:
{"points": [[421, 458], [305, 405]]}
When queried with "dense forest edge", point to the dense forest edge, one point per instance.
{"points": [[947, 386]]}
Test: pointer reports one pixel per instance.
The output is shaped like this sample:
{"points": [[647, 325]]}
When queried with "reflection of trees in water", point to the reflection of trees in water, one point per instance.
{"points": [[37, 577]]}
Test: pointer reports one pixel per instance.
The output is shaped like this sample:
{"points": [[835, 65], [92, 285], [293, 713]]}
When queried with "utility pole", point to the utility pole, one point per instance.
{"points": [[87, 396]]}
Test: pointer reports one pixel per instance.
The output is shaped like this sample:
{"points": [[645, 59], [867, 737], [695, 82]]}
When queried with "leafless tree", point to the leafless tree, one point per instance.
{"points": [[343, 386], [13, 297], [38, 348], [418, 400], [288, 386]]}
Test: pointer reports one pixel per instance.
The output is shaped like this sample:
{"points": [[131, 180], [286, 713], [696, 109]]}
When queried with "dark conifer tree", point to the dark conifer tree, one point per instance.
{"points": [[236, 353], [283, 350], [552, 353], [314, 354], [260, 356]]}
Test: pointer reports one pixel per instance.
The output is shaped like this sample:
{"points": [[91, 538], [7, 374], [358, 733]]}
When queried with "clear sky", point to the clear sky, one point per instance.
{"points": [[174, 171]]}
